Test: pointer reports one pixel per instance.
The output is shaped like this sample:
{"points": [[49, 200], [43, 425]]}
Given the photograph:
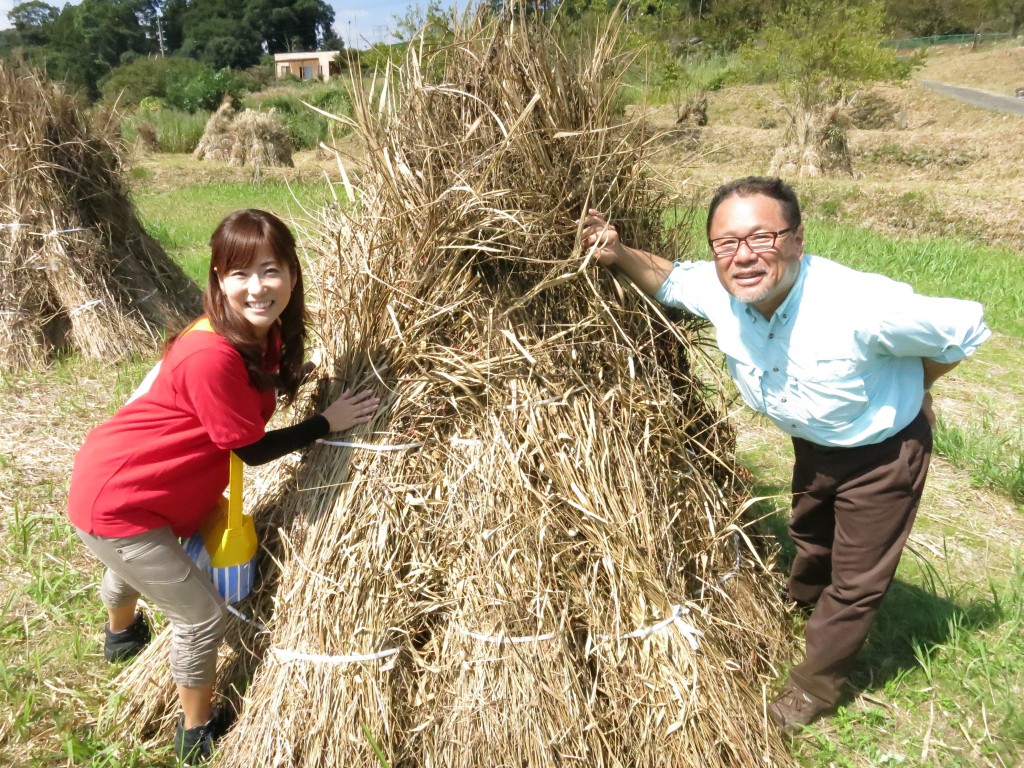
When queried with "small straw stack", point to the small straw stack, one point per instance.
{"points": [[79, 269], [535, 553], [245, 138]]}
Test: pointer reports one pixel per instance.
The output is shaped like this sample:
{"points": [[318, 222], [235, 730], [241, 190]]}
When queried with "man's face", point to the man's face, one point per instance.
{"points": [[764, 278]]}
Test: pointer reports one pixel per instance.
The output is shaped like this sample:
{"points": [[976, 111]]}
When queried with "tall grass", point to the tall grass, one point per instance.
{"points": [[306, 128], [174, 130]]}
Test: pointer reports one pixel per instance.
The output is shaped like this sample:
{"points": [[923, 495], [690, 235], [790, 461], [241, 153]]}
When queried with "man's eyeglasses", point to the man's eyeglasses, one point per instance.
{"points": [[757, 242]]}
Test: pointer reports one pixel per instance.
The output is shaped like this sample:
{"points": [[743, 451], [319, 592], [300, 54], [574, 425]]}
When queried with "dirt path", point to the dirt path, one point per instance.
{"points": [[977, 98]]}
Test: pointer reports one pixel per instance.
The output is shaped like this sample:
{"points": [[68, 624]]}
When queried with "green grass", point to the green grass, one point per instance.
{"points": [[184, 219], [994, 458]]}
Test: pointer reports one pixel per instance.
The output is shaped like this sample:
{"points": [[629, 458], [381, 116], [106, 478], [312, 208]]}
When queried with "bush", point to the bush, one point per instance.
{"points": [[182, 83], [306, 128], [205, 90], [130, 83]]}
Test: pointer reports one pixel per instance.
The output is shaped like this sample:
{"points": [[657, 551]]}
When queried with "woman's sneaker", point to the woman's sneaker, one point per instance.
{"points": [[193, 746], [123, 645]]}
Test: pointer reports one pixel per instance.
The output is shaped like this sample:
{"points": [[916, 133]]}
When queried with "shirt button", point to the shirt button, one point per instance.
{"points": [[783, 399], [771, 335], [775, 369]]}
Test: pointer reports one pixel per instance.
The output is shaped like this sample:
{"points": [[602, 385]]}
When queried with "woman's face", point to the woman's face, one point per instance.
{"points": [[259, 291]]}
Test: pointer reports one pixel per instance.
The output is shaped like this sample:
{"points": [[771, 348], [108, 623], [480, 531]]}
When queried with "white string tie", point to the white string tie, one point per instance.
{"points": [[52, 233], [285, 655], [500, 639], [255, 622], [371, 446], [465, 440], [690, 632], [55, 232], [84, 307]]}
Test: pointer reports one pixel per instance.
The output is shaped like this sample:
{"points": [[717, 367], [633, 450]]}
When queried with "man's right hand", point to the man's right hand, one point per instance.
{"points": [[647, 270], [603, 237]]}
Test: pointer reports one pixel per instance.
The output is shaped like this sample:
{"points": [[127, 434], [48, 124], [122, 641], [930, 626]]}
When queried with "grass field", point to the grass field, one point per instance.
{"points": [[942, 679]]}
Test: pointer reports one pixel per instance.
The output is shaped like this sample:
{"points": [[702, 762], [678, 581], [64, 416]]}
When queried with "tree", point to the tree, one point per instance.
{"points": [[434, 20], [32, 20], [233, 33], [216, 32], [820, 52], [293, 24], [728, 24], [172, 13], [84, 42]]}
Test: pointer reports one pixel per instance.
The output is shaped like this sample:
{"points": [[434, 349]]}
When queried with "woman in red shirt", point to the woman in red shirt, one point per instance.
{"points": [[151, 474]]}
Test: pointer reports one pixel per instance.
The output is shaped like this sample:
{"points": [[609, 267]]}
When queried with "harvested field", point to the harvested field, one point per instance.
{"points": [[537, 550]]}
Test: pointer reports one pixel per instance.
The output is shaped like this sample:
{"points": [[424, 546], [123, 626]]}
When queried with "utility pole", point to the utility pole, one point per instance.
{"points": [[160, 32]]}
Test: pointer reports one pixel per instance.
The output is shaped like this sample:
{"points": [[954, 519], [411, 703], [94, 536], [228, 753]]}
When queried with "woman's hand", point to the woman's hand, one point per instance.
{"points": [[349, 410], [603, 237]]}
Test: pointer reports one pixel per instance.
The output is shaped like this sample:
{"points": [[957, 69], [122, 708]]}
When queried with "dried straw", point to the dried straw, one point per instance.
{"points": [[247, 138], [815, 144], [79, 269], [535, 553]]}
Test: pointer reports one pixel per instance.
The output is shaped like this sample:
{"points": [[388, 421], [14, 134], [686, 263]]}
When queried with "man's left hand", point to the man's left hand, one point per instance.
{"points": [[929, 411]]}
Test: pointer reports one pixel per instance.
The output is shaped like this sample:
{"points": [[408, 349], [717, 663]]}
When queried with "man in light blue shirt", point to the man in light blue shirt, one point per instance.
{"points": [[840, 360]]}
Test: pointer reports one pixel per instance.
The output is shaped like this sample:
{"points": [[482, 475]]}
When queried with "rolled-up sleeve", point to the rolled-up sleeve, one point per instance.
{"points": [[939, 329], [688, 285]]}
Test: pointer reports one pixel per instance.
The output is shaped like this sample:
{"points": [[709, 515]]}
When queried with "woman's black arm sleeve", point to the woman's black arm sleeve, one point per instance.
{"points": [[278, 442]]}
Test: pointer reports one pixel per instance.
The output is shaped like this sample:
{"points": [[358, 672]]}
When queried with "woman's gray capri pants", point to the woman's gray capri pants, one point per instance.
{"points": [[154, 564]]}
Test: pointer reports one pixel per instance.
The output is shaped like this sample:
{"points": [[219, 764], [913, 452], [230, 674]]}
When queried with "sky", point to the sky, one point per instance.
{"points": [[359, 23]]}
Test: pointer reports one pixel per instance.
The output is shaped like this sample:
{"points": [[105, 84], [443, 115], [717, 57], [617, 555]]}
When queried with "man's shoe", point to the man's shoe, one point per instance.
{"points": [[193, 746], [793, 709], [123, 645]]}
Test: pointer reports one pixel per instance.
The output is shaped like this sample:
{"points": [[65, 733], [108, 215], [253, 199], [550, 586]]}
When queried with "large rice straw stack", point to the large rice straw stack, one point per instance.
{"points": [[551, 565], [79, 269]]}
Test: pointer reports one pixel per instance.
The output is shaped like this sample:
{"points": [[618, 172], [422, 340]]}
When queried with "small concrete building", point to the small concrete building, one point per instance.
{"points": [[306, 65]]}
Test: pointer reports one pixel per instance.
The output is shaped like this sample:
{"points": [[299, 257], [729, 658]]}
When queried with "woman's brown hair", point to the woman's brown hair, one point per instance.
{"points": [[235, 243]]}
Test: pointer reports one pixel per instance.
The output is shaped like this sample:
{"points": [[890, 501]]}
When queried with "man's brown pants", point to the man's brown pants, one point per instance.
{"points": [[852, 513]]}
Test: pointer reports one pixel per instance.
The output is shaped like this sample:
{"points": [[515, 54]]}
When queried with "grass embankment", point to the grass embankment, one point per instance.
{"points": [[941, 677]]}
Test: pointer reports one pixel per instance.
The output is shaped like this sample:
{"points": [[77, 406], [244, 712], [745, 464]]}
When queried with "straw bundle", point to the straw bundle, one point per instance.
{"points": [[534, 554], [247, 138], [815, 144], [79, 269]]}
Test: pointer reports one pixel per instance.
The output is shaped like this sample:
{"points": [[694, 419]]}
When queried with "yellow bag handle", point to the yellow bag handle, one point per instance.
{"points": [[236, 466], [235, 493]]}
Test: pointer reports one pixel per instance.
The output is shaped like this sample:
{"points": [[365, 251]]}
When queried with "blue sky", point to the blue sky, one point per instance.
{"points": [[359, 23]]}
